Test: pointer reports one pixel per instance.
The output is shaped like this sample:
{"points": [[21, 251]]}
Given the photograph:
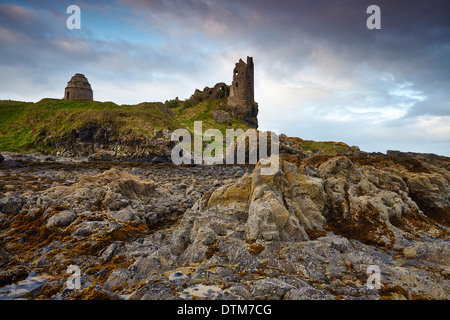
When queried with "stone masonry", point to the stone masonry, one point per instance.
{"points": [[219, 91], [241, 102], [78, 88]]}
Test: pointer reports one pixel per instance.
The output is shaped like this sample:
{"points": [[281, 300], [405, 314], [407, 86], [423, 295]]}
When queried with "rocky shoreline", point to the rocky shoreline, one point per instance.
{"points": [[141, 230]]}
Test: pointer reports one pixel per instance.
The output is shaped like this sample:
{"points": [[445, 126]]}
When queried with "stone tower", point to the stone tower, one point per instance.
{"points": [[78, 88], [241, 101]]}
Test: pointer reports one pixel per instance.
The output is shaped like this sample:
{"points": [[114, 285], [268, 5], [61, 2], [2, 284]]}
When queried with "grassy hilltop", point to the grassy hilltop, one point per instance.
{"points": [[31, 127], [23, 124]]}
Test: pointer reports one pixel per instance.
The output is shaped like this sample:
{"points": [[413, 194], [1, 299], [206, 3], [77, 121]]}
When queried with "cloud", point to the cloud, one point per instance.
{"points": [[40, 50], [327, 40]]}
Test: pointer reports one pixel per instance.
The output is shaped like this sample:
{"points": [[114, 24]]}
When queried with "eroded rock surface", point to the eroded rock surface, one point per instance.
{"points": [[313, 230]]}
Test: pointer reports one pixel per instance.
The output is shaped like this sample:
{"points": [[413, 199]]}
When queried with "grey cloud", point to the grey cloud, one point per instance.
{"points": [[38, 48], [413, 42]]}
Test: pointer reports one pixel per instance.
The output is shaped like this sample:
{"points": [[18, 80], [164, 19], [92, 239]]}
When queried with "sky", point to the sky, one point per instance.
{"points": [[320, 73]]}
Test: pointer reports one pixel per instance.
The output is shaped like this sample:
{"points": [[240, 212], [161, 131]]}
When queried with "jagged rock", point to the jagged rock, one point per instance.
{"points": [[270, 289], [11, 204], [117, 278], [359, 209], [154, 291], [61, 219], [125, 215], [237, 292], [11, 163], [86, 228], [260, 201], [165, 134], [308, 293], [109, 252], [104, 143], [312, 230], [221, 116]]}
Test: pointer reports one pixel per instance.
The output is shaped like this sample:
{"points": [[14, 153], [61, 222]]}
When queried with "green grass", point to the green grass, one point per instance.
{"points": [[326, 147], [30, 127], [203, 112], [27, 126], [24, 123]]}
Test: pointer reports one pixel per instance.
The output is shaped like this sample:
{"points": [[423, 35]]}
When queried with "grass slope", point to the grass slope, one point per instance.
{"points": [[326, 147], [24, 123], [203, 112]]}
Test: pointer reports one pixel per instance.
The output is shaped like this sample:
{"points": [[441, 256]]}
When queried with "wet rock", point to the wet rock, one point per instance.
{"points": [[61, 219], [125, 215], [308, 293], [87, 228], [270, 289], [154, 291], [41, 262], [136, 171], [237, 292], [11, 163], [109, 252], [11, 204], [117, 278], [12, 275]]}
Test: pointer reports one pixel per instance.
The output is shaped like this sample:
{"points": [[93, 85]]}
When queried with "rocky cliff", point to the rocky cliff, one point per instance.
{"points": [[102, 142]]}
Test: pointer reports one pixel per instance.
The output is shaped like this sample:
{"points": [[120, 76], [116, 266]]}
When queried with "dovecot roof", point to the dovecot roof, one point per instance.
{"points": [[79, 81]]}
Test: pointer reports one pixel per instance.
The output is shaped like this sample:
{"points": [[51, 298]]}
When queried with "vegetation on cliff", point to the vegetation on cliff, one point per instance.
{"points": [[30, 126], [51, 123], [27, 126]]}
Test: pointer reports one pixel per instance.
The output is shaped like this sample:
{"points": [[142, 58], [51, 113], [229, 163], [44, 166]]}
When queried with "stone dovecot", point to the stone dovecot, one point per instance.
{"points": [[78, 88], [241, 101]]}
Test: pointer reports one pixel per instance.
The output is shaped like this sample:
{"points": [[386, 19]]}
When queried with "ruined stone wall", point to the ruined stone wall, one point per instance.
{"points": [[241, 102], [219, 91]]}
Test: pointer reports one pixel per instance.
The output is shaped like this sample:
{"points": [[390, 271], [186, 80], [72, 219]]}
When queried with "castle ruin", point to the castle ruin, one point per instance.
{"points": [[241, 101], [219, 91], [240, 95], [78, 88]]}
